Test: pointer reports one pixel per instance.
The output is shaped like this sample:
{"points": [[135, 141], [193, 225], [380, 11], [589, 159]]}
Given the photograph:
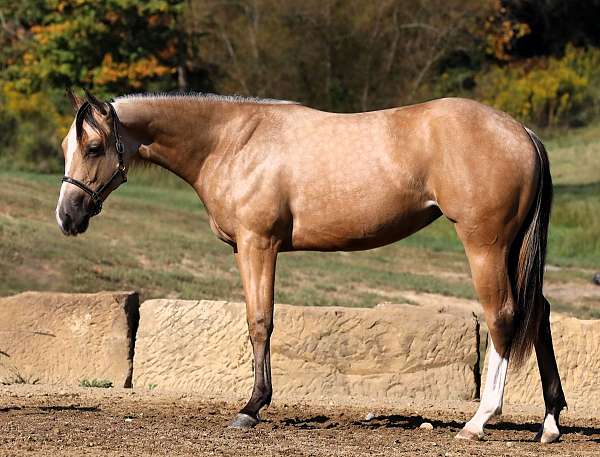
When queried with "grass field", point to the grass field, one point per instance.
{"points": [[153, 236]]}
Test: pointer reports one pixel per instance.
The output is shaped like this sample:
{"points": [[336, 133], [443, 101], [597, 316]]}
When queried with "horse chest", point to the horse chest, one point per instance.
{"points": [[220, 233]]}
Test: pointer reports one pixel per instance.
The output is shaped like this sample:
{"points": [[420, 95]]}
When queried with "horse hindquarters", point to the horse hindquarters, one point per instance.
{"points": [[508, 277]]}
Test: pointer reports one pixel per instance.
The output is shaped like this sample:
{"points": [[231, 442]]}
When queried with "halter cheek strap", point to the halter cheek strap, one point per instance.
{"points": [[96, 196]]}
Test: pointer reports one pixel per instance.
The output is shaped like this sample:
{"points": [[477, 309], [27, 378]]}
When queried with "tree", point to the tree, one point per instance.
{"points": [[343, 55], [110, 46]]}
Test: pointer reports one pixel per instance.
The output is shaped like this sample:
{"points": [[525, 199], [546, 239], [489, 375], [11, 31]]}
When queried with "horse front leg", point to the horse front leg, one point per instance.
{"points": [[256, 258]]}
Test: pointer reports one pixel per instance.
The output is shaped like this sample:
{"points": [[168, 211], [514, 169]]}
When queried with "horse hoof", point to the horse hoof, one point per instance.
{"points": [[547, 437], [466, 434], [243, 421]]}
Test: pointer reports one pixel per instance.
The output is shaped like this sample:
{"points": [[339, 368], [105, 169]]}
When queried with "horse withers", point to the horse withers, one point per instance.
{"points": [[277, 176]]}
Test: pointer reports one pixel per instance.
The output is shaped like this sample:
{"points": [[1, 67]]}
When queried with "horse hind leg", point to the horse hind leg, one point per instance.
{"points": [[492, 398], [554, 397], [488, 262]]}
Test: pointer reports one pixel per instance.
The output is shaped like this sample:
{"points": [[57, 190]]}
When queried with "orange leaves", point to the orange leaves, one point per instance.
{"points": [[44, 33], [169, 51], [112, 17], [502, 31], [133, 72], [502, 35]]}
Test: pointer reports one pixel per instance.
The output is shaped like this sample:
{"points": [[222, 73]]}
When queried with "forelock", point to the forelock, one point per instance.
{"points": [[85, 113]]}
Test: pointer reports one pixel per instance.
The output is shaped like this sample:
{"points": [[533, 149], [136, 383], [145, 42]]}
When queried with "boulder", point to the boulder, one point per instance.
{"points": [[56, 338], [317, 352]]}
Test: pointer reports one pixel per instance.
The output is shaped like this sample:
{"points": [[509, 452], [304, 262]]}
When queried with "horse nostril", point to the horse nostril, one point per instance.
{"points": [[65, 221]]}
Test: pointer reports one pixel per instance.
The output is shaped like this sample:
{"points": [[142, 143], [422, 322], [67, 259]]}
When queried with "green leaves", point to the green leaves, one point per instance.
{"points": [[109, 46], [69, 42]]}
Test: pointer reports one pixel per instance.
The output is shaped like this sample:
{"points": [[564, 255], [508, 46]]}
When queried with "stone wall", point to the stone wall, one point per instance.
{"points": [[431, 351], [55, 338], [577, 349], [398, 351]]}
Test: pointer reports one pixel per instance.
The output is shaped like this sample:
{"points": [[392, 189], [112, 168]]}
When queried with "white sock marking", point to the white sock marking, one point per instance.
{"points": [[550, 425], [493, 393]]}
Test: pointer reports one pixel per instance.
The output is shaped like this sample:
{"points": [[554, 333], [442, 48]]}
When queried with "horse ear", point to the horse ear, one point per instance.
{"points": [[76, 101], [100, 106]]}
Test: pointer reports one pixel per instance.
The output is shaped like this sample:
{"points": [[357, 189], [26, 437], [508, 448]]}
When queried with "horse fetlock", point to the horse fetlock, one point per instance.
{"points": [[267, 398], [255, 404], [549, 432]]}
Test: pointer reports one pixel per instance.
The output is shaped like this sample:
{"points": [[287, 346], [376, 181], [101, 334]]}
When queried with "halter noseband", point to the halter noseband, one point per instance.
{"points": [[96, 196]]}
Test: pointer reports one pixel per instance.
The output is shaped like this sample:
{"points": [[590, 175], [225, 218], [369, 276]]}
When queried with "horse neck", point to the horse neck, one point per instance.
{"points": [[180, 134]]}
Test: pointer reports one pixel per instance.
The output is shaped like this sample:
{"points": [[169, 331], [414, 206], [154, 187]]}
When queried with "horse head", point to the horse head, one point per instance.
{"points": [[95, 162]]}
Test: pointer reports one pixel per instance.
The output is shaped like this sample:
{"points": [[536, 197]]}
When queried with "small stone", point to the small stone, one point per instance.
{"points": [[369, 416], [128, 419], [510, 444], [448, 454], [426, 426]]}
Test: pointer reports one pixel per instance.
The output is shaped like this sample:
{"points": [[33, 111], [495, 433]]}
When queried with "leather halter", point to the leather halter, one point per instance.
{"points": [[96, 195]]}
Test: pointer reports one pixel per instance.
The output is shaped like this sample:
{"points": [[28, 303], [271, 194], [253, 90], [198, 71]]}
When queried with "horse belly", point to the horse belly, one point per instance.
{"points": [[352, 226]]}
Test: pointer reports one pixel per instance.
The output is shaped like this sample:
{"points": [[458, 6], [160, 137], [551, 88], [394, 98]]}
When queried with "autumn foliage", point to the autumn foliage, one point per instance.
{"points": [[537, 59]]}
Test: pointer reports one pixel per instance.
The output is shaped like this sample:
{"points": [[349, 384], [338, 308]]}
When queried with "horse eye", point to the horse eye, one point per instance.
{"points": [[94, 149]]}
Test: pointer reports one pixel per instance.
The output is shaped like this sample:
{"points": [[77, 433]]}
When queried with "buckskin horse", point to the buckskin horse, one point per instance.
{"points": [[277, 176]]}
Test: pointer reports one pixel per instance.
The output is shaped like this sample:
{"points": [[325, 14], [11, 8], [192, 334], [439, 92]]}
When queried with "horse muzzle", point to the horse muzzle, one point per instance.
{"points": [[73, 218]]}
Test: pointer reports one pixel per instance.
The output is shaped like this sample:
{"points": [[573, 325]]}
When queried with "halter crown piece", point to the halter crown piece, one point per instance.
{"points": [[120, 173]]}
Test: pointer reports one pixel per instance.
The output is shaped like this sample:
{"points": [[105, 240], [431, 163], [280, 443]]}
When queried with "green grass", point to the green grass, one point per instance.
{"points": [[99, 383], [153, 236]]}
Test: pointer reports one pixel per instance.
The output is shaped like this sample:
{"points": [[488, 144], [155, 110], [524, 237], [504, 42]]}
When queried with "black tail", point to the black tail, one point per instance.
{"points": [[528, 257]]}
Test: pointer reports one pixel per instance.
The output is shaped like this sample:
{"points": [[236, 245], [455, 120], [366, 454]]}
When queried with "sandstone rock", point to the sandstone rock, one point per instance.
{"points": [[576, 344], [400, 351], [62, 338]]}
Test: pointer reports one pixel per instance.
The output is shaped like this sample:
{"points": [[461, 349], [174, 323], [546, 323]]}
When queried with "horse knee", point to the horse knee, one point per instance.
{"points": [[260, 330]]}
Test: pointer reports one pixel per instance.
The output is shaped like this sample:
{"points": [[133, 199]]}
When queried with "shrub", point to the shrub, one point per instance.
{"points": [[101, 383], [546, 92], [31, 128]]}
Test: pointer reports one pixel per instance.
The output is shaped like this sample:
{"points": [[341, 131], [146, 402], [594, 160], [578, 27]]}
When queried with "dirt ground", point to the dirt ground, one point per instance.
{"points": [[47, 421]]}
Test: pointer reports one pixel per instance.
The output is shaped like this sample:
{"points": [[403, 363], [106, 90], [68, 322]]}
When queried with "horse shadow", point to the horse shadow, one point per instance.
{"points": [[412, 422]]}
